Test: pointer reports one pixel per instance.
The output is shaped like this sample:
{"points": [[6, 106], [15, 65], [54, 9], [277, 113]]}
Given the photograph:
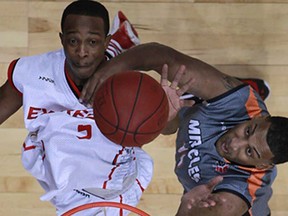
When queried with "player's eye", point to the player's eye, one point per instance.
{"points": [[249, 151], [94, 42], [73, 41]]}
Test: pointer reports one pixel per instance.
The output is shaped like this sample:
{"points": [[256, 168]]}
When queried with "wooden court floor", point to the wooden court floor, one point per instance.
{"points": [[244, 38]]}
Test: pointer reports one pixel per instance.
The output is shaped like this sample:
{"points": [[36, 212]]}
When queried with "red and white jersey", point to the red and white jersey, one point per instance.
{"points": [[76, 164], [44, 84], [65, 150]]}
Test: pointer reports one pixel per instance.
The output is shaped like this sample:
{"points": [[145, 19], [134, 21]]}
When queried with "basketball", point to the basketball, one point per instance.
{"points": [[131, 108]]}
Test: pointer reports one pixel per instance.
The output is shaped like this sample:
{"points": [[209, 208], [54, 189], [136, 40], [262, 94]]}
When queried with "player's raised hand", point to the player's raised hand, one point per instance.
{"points": [[174, 92], [201, 197]]}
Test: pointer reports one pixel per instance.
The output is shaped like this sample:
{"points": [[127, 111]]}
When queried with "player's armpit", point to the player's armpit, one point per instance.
{"points": [[227, 204]]}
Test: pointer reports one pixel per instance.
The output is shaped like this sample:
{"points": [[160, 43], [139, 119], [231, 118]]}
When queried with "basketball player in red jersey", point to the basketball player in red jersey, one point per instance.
{"points": [[48, 86]]}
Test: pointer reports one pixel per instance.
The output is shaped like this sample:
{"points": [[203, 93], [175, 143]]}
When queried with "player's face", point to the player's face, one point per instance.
{"points": [[84, 42], [246, 144]]}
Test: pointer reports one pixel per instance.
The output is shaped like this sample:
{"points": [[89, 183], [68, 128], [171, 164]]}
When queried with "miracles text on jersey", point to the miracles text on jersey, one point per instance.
{"points": [[194, 133]]}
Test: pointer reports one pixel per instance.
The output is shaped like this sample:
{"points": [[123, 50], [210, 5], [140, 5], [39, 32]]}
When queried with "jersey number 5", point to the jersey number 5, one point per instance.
{"points": [[86, 130]]}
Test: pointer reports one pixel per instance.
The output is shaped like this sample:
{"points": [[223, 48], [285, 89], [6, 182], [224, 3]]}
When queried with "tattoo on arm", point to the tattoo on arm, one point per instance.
{"points": [[230, 82]]}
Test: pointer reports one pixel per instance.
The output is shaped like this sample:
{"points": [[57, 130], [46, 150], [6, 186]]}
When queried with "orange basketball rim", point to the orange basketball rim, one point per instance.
{"points": [[105, 204]]}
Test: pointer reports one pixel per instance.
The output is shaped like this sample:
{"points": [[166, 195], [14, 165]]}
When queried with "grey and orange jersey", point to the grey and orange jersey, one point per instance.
{"points": [[197, 160]]}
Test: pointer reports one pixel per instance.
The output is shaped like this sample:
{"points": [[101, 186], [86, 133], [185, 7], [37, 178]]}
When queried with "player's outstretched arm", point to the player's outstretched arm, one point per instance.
{"points": [[10, 101], [201, 201], [208, 81]]}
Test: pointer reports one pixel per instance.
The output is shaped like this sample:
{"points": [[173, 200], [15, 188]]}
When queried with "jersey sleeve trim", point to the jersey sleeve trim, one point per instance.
{"points": [[252, 105], [226, 93], [10, 74]]}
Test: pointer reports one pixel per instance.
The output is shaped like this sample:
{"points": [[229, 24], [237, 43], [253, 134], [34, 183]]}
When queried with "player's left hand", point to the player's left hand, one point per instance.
{"points": [[173, 92], [202, 196]]}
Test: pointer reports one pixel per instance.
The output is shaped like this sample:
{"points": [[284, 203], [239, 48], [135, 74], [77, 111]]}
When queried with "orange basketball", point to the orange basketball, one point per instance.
{"points": [[131, 108]]}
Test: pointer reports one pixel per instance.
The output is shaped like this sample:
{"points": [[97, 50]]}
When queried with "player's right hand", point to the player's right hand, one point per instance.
{"points": [[173, 92], [93, 83]]}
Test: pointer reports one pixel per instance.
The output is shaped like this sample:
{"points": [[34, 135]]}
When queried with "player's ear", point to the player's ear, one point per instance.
{"points": [[107, 40], [264, 166], [61, 37]]}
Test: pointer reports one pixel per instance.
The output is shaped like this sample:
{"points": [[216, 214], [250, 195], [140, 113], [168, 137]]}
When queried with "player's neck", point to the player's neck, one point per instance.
{"points": [[75, 83]]}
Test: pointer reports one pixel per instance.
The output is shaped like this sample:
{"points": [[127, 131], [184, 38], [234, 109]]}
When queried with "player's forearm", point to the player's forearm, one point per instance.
{"points": [[145, 57], [208, 81], [152, 56]]}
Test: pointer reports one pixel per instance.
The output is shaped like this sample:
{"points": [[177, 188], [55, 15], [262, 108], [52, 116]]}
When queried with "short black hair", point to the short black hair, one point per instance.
{"points": [[87, 8], [277, 138]]}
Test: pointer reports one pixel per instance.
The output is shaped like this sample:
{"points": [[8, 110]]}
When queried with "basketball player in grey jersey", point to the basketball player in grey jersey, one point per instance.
{"points": [[230, 134]]}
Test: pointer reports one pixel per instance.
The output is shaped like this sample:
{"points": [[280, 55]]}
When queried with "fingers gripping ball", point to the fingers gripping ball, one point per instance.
{"points": [[131, 108]]}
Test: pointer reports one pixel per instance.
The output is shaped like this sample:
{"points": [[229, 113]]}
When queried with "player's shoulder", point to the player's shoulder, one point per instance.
{"points": [[46, 65], [49, 61], [44, 57]]}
